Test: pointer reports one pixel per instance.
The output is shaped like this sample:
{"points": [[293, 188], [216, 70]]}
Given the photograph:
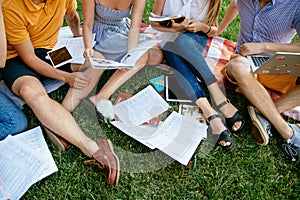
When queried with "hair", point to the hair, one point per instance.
{"points": [[213, 12]]}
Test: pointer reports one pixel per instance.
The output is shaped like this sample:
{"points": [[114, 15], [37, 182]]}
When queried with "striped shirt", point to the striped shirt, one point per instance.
{"points": [[277, 22]]}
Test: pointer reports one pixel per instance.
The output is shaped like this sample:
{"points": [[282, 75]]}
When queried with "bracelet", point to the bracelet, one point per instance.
{"points": [[208, 30]]}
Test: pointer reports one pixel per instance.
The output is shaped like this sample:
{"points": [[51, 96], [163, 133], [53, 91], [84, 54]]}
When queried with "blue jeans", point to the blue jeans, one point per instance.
{"points": [[12, 119], [185, 57]]}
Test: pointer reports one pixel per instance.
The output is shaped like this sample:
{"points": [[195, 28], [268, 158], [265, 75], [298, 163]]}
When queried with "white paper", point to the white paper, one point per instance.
{"points": [[141, 107], [24, 160], [179, 137], [141, 133]]}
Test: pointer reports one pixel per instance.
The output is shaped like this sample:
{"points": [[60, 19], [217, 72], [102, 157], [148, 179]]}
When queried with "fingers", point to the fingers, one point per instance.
{"points": [[80, 80]]}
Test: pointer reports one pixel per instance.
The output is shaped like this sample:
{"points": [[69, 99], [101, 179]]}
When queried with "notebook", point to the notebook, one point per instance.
{"points": [[173, 91], [281, 63]]}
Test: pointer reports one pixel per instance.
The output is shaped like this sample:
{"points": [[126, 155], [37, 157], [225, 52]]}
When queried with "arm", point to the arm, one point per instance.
{"points": [[230, 14], [158, 8], [257, 48], [73, 22], [135, 24], [2, 40], [88, 7], [26, 52]]}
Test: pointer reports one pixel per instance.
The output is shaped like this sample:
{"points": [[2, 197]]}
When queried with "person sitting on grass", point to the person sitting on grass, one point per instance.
{"points": [[183, 44], [266, 26], [32, 28], [12, 119], [116, 34]]}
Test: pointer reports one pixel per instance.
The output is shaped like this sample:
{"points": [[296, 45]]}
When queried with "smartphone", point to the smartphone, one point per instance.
{"points": [[60, 56]]}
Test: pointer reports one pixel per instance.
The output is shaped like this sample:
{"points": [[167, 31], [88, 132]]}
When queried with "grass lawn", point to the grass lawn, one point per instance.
{"points": [[250, 172]]}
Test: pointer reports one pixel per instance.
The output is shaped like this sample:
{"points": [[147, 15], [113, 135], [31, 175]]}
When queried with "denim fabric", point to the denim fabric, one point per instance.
{"points": [[12, 119], [185, 57]]}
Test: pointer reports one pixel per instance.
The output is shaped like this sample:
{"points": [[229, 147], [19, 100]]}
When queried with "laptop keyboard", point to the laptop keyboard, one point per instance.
{"points": [[259, 60]]}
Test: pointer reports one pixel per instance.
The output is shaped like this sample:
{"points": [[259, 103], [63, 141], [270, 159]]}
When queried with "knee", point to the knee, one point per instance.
{"points": [[155, 56], [238, 68], [33, 94]]}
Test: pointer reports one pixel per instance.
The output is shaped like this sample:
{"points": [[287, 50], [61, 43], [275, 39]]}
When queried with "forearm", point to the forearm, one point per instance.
{"points": [[73, 22], [275, 47], [229, 16]]}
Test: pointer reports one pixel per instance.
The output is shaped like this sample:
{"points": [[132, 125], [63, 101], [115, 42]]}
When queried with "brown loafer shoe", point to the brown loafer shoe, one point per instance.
{"points": [[57, 141], [106, 159]]}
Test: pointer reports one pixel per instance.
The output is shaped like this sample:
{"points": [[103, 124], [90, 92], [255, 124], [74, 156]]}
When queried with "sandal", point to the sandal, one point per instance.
{"points": [[230, 121], [224, 136]]}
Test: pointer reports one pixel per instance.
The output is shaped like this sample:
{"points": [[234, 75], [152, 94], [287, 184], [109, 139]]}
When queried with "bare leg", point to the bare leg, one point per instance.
{"points": [[74, 96], [289, 100], [153, 56], [216, 124], [218, 96], [239, 70], [52, 114]]}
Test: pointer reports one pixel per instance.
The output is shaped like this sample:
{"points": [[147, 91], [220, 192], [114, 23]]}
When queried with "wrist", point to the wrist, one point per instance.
{"points": [[207, 32]]}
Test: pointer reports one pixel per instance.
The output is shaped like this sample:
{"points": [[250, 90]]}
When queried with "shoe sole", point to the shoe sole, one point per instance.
{"points": [[117, 159], [54, 139], [257, 124]]}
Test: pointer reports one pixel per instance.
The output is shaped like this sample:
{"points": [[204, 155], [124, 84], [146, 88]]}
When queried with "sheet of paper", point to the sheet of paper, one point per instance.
{"points": [[141, 107], [142, 133], [24, 160], [179, 137]]}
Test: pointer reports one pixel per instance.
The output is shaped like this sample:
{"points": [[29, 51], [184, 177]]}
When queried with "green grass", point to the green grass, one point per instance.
{"points": [[250, 172]]}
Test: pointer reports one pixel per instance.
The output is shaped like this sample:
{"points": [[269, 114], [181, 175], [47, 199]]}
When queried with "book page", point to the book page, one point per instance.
{"points": [[101, 63], [141, 107], [135, 53]]}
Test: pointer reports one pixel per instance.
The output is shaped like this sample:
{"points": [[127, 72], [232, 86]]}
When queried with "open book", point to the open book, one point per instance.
{"points": [[128, 61], [166, 21]]}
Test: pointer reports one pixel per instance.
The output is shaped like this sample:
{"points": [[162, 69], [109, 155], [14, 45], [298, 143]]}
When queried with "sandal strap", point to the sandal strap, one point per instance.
{"points": [[213, 117], [227, 101]]}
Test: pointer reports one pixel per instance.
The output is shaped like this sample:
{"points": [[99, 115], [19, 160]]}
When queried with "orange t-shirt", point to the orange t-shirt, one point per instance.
{"points": [[39, 23]]}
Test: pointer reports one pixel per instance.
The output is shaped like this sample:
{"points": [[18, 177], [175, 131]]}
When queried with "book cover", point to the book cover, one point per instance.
{"points": [[158, 83], [166, 21]]}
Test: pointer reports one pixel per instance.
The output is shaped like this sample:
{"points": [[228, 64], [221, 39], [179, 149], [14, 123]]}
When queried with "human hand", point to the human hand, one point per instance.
{"points": [[88, 52], [194, 26], [251, 48], [180, 26], [78, 80]]}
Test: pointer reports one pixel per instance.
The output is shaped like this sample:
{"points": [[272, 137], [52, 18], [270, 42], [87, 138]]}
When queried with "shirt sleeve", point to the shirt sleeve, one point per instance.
{"points": [[15, 27], [71, 6], [297, 22]]}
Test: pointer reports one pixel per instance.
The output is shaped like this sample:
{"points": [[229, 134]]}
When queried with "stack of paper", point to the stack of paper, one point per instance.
{"points": [[178, 136], [24, 160]]}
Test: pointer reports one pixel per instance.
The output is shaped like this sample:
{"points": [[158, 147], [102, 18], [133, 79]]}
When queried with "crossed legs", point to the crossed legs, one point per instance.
{"points": [[239, 70]]}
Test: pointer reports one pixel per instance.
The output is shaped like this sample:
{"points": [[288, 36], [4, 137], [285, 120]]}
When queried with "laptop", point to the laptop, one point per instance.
{"points": [[281, 63]]}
